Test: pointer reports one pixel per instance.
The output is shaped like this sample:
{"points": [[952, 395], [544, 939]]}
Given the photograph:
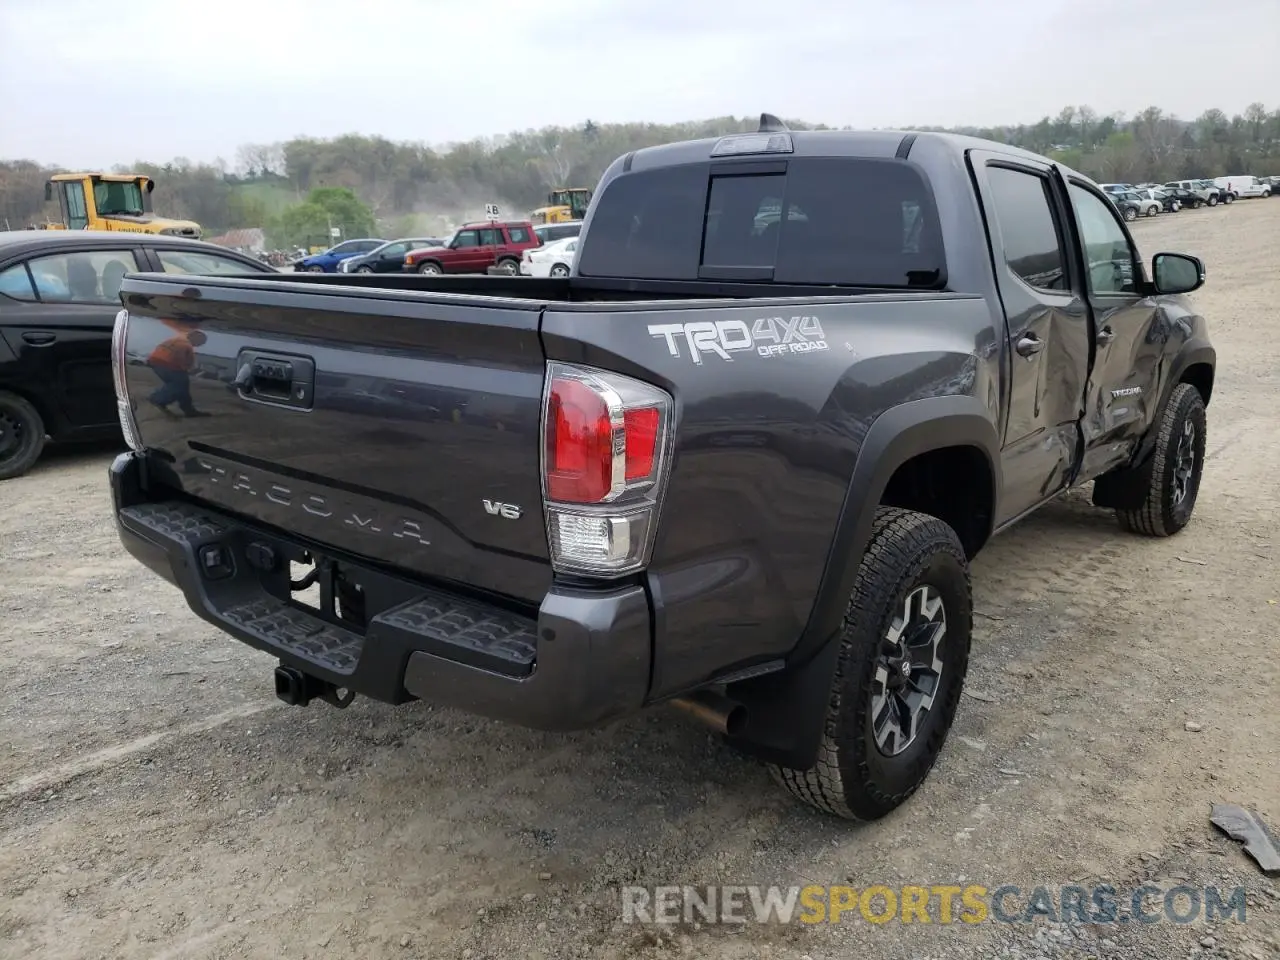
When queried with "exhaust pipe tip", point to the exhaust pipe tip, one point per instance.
{"points": [[725, 716]]}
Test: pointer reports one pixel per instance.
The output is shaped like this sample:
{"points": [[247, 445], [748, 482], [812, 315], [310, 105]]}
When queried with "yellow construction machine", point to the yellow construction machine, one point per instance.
{"points": [[110, 201], [567, 203]]}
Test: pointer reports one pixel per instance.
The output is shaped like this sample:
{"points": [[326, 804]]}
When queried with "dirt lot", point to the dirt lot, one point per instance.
{"points": [[156, 800]]}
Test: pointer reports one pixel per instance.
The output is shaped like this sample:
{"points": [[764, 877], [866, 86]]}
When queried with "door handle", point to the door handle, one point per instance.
{"points": [[1105, 336], [39, 339], [1030, 344]]}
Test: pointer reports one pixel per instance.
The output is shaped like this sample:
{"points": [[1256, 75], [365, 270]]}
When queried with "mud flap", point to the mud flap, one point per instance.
{"points": [[1125, 488]]}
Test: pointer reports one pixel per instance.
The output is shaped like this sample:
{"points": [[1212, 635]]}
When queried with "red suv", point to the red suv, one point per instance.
{"points": [[475, 248]]}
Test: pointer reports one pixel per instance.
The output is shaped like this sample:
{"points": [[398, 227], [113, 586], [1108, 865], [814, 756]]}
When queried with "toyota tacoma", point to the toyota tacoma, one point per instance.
{"points": [[738, 461]]}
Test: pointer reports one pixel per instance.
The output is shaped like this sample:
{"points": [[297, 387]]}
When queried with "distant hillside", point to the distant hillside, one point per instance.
{"points": [[412, 187]]}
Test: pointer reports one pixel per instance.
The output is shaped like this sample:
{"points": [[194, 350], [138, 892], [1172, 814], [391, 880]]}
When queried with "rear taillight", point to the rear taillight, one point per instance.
{"points": [[606, 442], [119, 365]]}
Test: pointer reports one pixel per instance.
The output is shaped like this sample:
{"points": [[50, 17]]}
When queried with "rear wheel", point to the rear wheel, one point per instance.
{"points": [[1176, 468], [364, 269], [509, 267], [904, 652], [1197, 204], [559, 270], [21, 435]]}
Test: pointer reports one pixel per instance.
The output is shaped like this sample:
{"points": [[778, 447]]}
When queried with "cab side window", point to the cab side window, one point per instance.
{"points": [[1110, 260], [1032, 248]]}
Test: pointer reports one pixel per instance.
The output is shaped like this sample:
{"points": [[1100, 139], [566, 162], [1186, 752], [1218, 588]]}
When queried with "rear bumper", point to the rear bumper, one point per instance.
{"points": [[584, 659]]}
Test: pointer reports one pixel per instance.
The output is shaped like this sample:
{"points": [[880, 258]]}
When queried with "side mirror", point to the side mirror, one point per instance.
{"points": [[1177, 273]]}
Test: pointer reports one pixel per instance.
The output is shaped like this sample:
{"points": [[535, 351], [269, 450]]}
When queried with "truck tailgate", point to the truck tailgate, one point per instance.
{"points": [[396, 426]]}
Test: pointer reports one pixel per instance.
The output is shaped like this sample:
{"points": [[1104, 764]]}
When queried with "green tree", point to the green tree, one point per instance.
{"points": [[311, 222]]}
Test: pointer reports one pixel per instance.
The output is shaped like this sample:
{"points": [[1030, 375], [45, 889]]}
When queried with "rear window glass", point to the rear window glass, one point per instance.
{"points": [[849, 221]]}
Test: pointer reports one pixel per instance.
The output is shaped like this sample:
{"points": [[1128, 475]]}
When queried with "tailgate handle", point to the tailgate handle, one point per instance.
{"points": [[273, 372], [285, 380]]}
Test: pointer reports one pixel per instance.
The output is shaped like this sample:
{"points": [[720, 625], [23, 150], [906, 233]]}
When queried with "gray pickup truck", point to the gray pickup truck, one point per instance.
{"points": [[738, 462]]}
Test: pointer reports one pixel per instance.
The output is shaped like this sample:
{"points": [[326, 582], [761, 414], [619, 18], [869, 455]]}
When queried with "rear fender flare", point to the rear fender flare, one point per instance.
{"points": [[786, 710]]}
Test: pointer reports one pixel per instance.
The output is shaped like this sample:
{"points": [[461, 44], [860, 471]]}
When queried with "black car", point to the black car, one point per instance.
{"points": [[388, 258], [1185, 197], [59, 295]]}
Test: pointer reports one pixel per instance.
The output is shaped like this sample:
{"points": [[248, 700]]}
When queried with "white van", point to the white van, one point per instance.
{"points": [[1243, 186]]}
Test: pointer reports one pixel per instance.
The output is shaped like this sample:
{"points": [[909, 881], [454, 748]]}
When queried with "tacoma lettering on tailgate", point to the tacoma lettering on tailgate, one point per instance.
{"points": [[369, 519]]}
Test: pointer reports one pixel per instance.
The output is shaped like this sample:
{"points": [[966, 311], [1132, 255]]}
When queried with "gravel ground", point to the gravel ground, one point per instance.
{"points": [[156, 800]]}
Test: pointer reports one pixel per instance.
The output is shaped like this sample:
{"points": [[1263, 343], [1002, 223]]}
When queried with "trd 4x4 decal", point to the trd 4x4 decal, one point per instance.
{"points": [[768, 337]]}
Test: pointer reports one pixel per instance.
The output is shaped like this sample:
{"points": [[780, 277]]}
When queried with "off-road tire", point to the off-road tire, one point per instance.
{"points": [[852, 778], [25, 422], [509, 267], [1160, 515]]}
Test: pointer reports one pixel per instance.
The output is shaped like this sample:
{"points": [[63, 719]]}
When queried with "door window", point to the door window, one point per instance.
{"points": [[200, 263], [395, 250], [85, 276], [490, 238], [77, 215], [16, 282], [467, 238], [1109, 257], [1032, 246]]}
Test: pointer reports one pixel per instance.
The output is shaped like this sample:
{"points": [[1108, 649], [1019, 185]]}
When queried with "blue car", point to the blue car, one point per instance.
{"points": [[327, 262]]}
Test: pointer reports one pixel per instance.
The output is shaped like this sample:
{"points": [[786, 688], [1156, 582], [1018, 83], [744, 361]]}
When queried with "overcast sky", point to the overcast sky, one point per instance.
{"points": [[89, 83]]}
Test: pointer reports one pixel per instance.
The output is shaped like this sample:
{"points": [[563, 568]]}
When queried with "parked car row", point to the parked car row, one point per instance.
{"points": [[1150, 199], [481, 247]]}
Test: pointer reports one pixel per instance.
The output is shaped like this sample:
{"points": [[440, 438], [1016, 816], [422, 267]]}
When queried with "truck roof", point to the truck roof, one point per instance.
{"points": [[826, 143]]}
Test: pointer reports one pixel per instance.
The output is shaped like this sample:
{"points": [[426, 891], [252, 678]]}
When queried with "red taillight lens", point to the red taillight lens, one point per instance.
{"points": [[642, 442], [606, 456], [579, 443]]}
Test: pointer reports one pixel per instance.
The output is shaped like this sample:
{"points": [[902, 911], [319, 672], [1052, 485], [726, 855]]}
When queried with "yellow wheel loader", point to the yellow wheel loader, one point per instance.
{"points": [[110, 201]]}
